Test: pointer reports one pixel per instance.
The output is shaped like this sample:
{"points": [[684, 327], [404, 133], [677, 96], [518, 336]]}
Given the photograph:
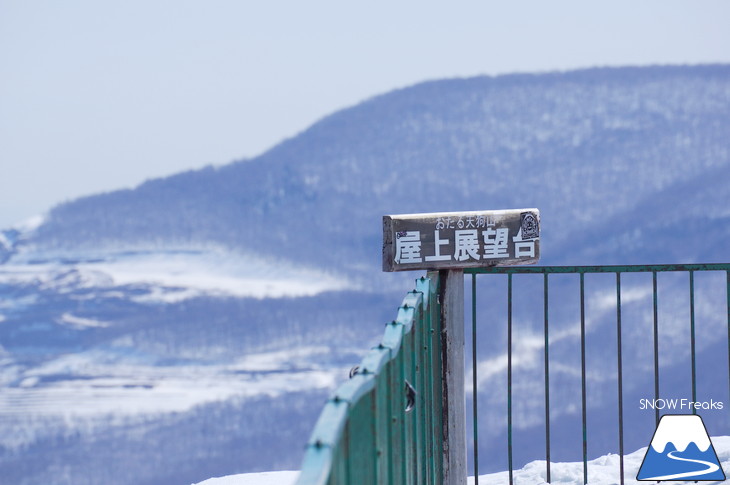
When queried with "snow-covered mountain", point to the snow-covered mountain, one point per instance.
{"points": [[192, 327]]}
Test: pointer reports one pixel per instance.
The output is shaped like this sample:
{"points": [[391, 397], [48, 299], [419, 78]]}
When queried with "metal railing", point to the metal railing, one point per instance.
{"points": [[384, 425], [543, 312]]}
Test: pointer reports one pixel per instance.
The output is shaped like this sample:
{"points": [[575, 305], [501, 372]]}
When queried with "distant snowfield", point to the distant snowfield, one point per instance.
{"points": [[174, 275], [95, 383], [601, 471], [100, 387], [117, 384]]}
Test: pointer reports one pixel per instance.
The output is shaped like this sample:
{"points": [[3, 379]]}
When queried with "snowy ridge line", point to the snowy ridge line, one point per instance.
{"points": [[173, 275]]}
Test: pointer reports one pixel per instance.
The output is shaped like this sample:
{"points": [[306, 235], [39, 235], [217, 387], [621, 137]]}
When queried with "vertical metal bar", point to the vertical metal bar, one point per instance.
{"points": [[409, 417], [474, 374], [422, 392], [620, 379], [727, 289], [583, 374], [692, 336], [401, 414], [430, 383], [509, 377], [438, 369], [391, 383], [547, 378], [346, 456], [656, 346], [452, 356]]}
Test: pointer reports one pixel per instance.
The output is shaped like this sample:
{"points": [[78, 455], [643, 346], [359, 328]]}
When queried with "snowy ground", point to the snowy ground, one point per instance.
{"points": [[601, 471], [265, 478]]}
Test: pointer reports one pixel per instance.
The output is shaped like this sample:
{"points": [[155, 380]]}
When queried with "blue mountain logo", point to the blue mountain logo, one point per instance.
{"points": [[681, 450]]}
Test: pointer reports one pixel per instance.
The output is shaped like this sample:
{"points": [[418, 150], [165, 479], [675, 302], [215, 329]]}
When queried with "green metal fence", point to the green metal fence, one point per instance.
{"points": [[547, 273], [384, 425]]}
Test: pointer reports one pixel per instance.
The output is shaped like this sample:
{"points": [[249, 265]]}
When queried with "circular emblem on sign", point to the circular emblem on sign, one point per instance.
{"points": [[530, 225]]}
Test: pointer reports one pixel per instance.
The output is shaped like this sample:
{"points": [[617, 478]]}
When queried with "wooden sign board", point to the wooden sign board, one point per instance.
{"points": [[453, 240]]}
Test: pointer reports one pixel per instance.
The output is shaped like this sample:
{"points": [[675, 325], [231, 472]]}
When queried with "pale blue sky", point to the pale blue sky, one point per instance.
{"points": [[98, 95]]}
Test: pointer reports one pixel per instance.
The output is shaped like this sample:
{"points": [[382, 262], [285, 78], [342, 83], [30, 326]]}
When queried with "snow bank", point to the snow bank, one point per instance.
{"points": [[601, 471], [264, 478]]}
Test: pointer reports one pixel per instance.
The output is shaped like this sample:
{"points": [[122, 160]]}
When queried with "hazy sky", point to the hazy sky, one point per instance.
{"points": [[98, 95]]}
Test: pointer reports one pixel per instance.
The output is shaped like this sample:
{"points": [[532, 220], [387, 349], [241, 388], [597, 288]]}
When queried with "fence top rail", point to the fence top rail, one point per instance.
{"points": [[634, 268]]}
